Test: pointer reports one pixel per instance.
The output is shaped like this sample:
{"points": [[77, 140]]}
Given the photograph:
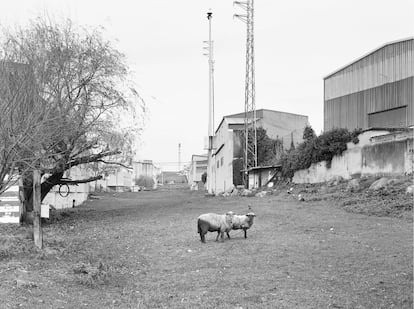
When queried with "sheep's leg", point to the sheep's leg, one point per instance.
{"points": [[203, 237], [245, 233], [222, 236], [228, 235], [218, 234]]}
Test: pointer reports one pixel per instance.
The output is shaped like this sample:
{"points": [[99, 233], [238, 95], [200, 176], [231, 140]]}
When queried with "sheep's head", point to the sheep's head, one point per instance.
{"points": [[229, 216], [250, 215]]}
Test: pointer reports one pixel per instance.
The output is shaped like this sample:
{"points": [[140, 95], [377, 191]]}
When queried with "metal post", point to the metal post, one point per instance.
{"points": [[210, 160]]}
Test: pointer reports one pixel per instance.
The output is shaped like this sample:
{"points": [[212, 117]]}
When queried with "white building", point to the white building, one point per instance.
{"points": [[198, 166], [227, 157], [147, 169]]}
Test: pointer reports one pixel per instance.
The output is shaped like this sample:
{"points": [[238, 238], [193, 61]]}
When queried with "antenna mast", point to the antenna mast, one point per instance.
{"points": [[250, 132], [209, 53]]}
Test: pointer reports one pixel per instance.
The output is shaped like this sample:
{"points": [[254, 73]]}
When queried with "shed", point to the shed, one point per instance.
{"points": [[261, 175]]}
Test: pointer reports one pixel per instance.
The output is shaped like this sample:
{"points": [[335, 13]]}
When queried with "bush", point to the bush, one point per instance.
{"points": [[204, 177], [145, 181], [316, 149]]}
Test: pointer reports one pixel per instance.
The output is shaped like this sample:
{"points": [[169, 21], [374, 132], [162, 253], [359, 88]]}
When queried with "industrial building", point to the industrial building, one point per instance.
{"points": [[373, 91], [227, 157]]}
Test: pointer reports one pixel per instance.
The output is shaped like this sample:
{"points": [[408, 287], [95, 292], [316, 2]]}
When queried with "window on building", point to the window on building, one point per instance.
{"points": [[392, 118], [218, 164], [222, 160]]}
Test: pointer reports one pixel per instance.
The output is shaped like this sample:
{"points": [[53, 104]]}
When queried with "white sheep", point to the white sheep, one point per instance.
{"points": [[212, 222], [243, 222]]}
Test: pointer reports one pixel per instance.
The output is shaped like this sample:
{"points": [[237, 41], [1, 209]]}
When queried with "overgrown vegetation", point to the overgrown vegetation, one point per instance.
{"points": [[269, 150], [144, 181], [315, 149]]}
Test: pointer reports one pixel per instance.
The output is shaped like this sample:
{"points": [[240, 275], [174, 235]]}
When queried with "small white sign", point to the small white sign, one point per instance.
{"points": [[44, 211]]}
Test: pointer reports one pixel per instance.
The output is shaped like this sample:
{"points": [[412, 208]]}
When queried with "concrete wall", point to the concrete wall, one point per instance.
{"points": [[121, 178], [284, 125], [223, 159], [77, 194], [385, 158], [392, 157]]}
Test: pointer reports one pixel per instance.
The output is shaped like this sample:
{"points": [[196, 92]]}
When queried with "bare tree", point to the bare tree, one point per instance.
{"points": [[81, 84], [24, 122]]}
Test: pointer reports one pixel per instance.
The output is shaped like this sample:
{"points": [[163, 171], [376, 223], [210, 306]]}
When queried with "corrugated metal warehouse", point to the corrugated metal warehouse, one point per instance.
{"points": [[373, 91]]}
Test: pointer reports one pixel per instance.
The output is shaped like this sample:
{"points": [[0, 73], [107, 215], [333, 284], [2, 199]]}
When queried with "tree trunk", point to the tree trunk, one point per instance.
{"points": [[45, 188]]}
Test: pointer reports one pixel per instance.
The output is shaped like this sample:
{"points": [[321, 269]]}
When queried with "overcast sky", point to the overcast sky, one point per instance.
{"points": [[297, 43]]}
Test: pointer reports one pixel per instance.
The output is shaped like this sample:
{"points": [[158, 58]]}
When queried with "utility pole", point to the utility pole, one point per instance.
{"points": [[209, 54], [250, 132]]}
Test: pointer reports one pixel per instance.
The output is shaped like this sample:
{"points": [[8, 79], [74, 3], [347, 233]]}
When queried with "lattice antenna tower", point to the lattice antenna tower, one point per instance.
{"points": [[250, 130]]}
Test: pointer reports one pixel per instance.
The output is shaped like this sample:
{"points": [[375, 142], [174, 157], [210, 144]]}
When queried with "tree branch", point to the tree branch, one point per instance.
{"points": [[115, 163], [73, 182]]}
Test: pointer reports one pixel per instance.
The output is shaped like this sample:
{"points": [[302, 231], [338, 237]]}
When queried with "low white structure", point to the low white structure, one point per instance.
{"points": [[145, 168], [118, 180], [72, 195], [197, 168], [10, 205], [379, 152], [262, 175]]}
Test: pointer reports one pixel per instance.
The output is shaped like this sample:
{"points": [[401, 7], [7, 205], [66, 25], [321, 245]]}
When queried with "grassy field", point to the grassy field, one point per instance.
{"points": [[141, 250]]}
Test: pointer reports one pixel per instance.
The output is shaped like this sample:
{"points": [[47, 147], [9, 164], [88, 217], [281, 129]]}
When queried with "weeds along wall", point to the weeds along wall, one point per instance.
{"points": [[377, 153]]}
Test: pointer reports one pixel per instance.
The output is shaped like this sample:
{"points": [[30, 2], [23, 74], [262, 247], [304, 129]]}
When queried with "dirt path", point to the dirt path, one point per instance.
{"points": [[141, 250]]}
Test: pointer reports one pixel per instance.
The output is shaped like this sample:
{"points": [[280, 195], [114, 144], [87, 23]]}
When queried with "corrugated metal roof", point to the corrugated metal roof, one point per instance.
{"points": [[264, 167], [367, 54]]}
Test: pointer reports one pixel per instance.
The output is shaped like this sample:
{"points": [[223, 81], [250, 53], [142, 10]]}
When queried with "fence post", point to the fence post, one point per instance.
{"points": [[37, 221], [22, 200]]}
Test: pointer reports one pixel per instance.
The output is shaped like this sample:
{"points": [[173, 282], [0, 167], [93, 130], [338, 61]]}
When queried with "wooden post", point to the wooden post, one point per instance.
{"points": [[22, 200], [37, 221]]}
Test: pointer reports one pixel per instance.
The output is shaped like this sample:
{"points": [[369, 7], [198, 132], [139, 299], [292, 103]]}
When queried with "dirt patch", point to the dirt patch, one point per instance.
{"points": [[390, 201]]}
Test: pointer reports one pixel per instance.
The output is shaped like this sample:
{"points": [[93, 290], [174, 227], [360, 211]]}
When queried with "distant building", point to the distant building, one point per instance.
{"points": [[373, 91], [198, 166], [282, 125], [168, 177], [227, 157], [143, 170], [119, 180]]}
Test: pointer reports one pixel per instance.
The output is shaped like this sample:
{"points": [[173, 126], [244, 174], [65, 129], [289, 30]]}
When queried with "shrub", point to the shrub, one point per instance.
{"points": [[269, 149], [144, 181], [316, 149], [204, 177]]}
